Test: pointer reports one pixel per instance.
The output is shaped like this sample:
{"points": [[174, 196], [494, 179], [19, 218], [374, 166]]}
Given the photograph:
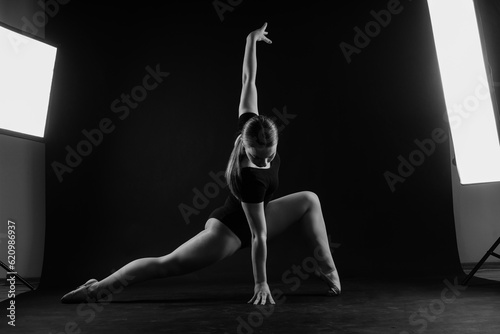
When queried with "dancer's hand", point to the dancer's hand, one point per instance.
{"points": [[261, 294], [260, 34]]}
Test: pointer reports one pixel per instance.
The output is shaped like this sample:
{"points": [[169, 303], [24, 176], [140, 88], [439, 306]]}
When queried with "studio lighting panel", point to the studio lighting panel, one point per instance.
{"points": [[26, 72], [466, 88]]}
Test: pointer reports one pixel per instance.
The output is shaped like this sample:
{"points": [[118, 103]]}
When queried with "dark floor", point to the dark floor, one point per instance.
{"points": [[433, 305]]}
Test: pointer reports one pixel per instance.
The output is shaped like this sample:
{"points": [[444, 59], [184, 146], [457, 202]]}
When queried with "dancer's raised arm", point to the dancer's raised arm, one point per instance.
{"points": [[248, 99]]}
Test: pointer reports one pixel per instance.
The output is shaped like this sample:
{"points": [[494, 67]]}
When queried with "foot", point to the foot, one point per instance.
{"points": [[80, 294], [332, 280]]}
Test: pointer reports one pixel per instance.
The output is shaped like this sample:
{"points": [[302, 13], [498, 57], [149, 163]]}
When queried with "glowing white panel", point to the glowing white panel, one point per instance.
{"points": [[26, 71], [466, 90]]}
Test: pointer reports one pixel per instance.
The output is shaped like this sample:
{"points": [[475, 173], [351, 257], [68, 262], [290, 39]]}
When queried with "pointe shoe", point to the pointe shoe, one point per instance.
{"points": [[333, 289], [80, 294]]}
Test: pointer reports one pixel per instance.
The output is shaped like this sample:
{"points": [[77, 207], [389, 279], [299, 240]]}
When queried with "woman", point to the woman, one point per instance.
{"points": [[248, 218]]}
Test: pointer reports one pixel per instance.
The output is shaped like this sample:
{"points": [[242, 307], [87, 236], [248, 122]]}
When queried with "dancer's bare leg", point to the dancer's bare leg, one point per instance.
{"points": [[211, 245], [303, 208]]}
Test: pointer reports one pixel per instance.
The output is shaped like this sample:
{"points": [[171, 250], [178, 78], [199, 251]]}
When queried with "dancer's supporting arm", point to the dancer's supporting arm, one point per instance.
{"points": [[257, 220], [248, 99]]}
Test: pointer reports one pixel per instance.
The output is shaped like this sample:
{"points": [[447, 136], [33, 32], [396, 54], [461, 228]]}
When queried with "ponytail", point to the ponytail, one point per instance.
{"points": [[233, 170]]}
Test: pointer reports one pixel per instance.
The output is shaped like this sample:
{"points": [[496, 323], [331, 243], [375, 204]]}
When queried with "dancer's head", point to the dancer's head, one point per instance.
{"points": [[258, 142]]}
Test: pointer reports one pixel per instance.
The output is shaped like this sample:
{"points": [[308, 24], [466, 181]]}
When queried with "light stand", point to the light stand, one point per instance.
{"points": [[490, 252], [4, 266]]}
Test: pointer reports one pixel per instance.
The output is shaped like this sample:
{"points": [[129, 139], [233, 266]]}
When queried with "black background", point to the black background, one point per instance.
{"points": [[353, 123]]}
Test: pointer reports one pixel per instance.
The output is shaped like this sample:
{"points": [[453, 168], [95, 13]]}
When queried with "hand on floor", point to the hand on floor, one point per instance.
{"points": [[261, 294]]}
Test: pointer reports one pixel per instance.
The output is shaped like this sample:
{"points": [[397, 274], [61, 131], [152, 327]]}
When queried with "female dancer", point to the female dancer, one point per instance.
{"points": [[248, 218]]}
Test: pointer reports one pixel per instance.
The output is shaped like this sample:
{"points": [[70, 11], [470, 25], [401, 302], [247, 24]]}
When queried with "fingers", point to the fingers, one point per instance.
{"points": [[264, 32], [253, 299], [271, 300], [265, 39], [261, 298], [264, 298], [256, 298]]}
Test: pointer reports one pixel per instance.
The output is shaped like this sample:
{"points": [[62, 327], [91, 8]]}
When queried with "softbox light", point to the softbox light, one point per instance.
{"points": [[26, 72], [469, 104]]}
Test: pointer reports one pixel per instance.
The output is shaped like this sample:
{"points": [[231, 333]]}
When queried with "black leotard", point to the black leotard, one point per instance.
{"points": [[258, 185]]}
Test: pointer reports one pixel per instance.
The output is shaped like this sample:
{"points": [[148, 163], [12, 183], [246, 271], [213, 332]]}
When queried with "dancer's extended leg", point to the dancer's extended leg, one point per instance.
{"points": [[211, 245]]}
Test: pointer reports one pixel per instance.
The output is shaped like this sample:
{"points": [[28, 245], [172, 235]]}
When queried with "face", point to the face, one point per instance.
{"points": [[261, 156]]}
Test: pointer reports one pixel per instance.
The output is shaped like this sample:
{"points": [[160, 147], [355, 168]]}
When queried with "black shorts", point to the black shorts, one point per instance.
{"points": [[235, 219]]}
